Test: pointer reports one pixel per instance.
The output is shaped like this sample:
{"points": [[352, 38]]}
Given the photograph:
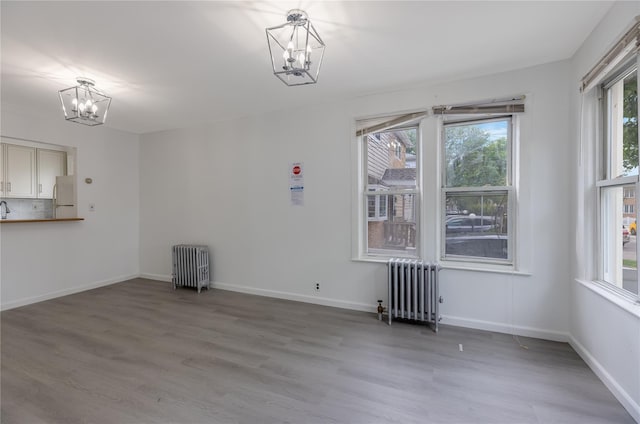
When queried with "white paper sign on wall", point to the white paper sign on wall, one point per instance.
{"points": [[296, 183]]}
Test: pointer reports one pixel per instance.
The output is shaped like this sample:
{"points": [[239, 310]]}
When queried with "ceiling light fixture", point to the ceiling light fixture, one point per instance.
{"points": [[85, 104], [296, 49]]}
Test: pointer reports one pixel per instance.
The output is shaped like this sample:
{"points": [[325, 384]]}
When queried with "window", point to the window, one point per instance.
{"points": [[619, 180], [377, 205], [398, 151], [477, 192], [390, 192], [629, 192]]}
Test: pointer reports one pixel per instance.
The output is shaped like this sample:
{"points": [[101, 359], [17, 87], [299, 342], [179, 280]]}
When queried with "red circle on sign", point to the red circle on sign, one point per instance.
{"points": [[296, 170]]}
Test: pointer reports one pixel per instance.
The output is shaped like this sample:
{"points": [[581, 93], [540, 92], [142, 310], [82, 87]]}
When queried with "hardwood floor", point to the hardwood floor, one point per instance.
{"points": [[139, 352]]}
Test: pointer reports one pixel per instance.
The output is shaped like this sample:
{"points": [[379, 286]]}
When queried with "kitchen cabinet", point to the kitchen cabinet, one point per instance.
{"points": [[19, 171], [29, 172], [50, 164]]}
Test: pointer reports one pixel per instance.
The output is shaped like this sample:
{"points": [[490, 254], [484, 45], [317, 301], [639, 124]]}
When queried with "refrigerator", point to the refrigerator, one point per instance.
{"points": [[64, 197]]}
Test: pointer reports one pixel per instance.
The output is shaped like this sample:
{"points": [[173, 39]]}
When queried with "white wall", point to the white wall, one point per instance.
{"points": [[226, 185], [45, 260], [605, 331]]}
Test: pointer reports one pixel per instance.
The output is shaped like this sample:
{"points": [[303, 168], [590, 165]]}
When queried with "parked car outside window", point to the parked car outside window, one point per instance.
{"points": [[469, 224]]}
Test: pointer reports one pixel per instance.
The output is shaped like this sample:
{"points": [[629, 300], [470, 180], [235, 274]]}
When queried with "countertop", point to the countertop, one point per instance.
{"points": [[15, 221]]}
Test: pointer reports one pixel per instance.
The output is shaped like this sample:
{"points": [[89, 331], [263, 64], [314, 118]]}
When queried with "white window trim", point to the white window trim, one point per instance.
{"points": [[462, 262]]}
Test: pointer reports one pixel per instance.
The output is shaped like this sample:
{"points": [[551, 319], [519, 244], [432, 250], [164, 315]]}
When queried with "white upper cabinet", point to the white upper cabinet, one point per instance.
{"points": [[30, 172], [51, 164], [20, 171]]}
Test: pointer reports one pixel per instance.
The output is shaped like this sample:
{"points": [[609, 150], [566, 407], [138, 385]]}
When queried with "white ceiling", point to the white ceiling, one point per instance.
{"points": [[176, 64]]}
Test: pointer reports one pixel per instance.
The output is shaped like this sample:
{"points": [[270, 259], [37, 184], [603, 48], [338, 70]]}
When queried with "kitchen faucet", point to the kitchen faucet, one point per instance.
{"points": [[4, 211]]}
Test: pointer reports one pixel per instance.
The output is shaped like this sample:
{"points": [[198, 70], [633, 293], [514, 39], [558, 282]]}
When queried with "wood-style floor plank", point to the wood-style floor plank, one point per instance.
{"points": [[139, 352]]}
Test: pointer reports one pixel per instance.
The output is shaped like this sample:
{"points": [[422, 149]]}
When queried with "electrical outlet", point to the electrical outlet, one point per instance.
{"points": [[92, 207], [317, 286]]}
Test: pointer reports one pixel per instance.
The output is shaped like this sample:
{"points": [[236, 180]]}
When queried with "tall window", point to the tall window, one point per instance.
{"points": [[477, 192], [619, 180], [390, 192]]}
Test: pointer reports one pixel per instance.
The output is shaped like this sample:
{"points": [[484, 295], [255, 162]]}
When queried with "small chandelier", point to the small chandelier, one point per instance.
{"points": [[84, 104], [296, 49]]}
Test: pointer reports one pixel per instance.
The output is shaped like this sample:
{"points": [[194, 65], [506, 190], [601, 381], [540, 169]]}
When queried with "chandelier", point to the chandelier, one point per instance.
{"points": [[296, 49], [84, 104]]}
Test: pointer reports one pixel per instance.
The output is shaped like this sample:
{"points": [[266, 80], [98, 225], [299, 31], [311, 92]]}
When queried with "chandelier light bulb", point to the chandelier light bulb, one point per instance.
{"points": [[74, 102], [94, 109]]}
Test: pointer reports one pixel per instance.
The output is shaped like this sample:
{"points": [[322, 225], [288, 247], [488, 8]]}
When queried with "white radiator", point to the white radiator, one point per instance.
{"points": [[190, 266], [413, 291]]}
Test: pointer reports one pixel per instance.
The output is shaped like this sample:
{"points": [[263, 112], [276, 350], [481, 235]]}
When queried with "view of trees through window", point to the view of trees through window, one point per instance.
{"points": [[476, 163], [476, 155], [630, 123]]}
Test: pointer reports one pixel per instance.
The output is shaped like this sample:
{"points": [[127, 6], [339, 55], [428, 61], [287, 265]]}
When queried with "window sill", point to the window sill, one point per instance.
{"points": [[381, 260], [624, 302], [476, 267], [453, 265]]}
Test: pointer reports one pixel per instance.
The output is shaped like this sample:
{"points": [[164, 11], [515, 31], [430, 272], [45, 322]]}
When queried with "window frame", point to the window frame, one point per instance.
{"points": [[605, 180], [364, 191], [509, 188]]}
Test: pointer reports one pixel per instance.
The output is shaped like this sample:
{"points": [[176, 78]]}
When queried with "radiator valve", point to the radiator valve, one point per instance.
{"points": [[380, 310]]}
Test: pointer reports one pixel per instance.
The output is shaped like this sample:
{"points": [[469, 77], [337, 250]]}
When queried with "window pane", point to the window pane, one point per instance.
{"points": [[620, 265], [383, 206], [395, 232], [371, 206], [377, 206], [391, 158], [476, 225], [623, 126], [476, 154]]}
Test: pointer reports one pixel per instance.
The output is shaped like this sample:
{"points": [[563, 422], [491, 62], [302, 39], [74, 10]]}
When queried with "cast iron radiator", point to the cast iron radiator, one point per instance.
{"points": [[190, 266], [413, 291]]}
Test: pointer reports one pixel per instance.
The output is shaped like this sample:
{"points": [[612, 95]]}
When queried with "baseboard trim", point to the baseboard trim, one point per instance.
{"points": [[157, 277], [623, 397], [64, 292], [449, 320], [498, 327], [297, 297]]}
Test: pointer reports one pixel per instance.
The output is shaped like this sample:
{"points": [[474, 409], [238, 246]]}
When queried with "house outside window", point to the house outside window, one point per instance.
{"points": [[390, 192], [618, 180], [477, 190]]}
